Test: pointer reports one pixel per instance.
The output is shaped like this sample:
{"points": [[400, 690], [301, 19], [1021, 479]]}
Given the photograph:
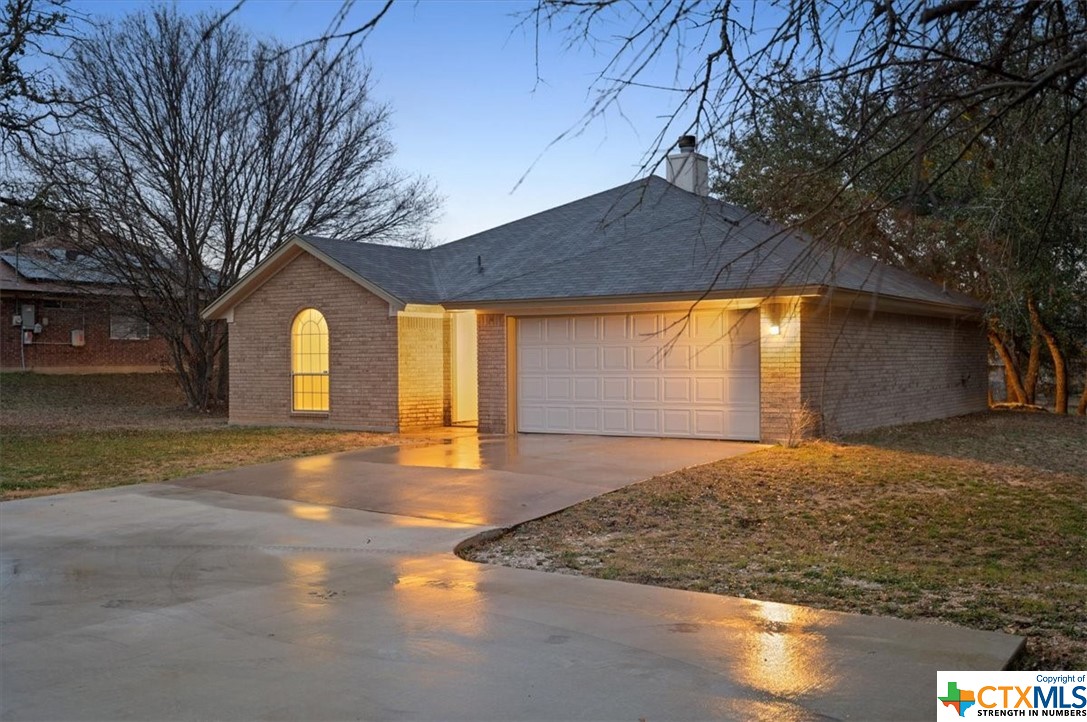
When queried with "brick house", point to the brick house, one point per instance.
{"points": [[650, 309], [60, 313]]}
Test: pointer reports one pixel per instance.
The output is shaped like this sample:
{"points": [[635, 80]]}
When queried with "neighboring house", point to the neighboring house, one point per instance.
{"points": [[582, 319], [61, 313]]}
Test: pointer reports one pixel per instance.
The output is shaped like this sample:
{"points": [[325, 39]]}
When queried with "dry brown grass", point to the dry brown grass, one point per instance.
{"points": [[979, 521]]}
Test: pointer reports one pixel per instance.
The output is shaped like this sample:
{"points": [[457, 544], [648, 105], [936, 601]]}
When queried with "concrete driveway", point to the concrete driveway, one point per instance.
{"points": [[325, 589]]}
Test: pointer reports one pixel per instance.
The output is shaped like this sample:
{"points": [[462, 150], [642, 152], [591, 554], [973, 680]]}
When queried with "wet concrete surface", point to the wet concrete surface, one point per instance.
{"points": [[183, 602], [493, 481]]}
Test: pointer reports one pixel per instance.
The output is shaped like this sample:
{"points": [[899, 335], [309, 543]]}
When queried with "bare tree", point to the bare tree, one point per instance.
{"points": [[201, 149], [932, 60], [29, 96]]}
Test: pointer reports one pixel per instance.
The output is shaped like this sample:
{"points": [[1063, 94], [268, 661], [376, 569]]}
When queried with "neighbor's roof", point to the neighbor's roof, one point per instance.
{"points": [[642, 239], [58, 265]]}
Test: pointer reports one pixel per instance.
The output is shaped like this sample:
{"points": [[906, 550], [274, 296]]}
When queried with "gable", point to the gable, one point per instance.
{"points": [[223, 306]]}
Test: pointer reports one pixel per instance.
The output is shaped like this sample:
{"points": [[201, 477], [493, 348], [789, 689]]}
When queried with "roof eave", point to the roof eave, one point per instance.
{"points": [[839, 296], [901, 304], [761, 294], [222, 307]]}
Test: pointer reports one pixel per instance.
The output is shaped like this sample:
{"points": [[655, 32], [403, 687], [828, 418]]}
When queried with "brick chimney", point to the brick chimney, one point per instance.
{"points": [[689, 169]]}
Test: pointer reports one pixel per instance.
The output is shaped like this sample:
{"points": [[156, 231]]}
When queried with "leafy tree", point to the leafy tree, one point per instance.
{"points": [[1005, 223], [200, 149]]}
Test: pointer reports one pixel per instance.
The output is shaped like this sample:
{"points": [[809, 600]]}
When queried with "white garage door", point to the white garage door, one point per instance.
{"points": [[640, 374]]}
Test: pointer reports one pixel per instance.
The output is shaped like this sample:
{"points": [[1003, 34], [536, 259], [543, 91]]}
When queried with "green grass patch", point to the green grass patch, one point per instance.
{"points": [[38, 462], [72, 433]]}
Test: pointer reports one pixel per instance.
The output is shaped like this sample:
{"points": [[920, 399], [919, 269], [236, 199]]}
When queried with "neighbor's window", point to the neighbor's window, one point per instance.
{"points": [[126, 327], [309, 361]]}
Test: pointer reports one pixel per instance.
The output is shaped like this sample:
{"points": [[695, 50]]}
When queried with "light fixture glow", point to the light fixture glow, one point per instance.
{"points": [[775, 330]]}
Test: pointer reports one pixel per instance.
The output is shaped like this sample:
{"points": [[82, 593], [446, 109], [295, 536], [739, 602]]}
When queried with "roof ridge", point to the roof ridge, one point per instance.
{"points": [[648, 179], [558, 262]]}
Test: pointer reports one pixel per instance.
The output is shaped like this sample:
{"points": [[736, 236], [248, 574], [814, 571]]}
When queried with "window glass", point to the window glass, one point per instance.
{"points": [[126, 327], [309, 361]]}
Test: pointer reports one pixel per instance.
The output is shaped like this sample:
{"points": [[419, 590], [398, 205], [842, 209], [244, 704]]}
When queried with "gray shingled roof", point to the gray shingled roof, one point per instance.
{"points": [[643, 238], [402, 272]]}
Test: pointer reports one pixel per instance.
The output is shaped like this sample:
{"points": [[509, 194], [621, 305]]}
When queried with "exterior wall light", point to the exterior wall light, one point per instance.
{"points": [[775, 330]]}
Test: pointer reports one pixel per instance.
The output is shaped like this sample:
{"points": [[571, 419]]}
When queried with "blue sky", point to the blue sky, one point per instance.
{"points": [[468, 111]]}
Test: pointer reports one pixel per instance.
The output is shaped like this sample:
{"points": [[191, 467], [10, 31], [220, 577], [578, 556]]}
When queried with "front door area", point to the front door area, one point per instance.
{"points": [[464, 355]]}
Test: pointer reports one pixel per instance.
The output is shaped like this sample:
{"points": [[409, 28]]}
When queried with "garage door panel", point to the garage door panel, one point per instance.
{"points": [[709, 358], [709, 422], [708, 325], [644, 389], [587, 389], [615, 421], [533, 388], [743, 391], [586, 328], [675, 325], [586, 358], [587, 420], [645, 358], [629, 374], [676, 422], [559, 418], [645, 326], [559, 388], [616, 358], [616, 388], [710, 390], [531, 416], [531, 360], [677, 357], [530, 329], [743, 425], [744, 357], [557, 330], [559, 358], [676, 389], [615, 328], [645, 422]]}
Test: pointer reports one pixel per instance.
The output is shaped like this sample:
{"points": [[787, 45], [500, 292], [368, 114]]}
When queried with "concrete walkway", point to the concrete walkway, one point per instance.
{"points": [[208, 599]]}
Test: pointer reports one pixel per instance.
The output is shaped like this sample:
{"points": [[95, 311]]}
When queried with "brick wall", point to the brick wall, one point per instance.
{"points": [[363, 368], [424, 384], [779, 369], [52, 351], [493, 400], [862, 371]]}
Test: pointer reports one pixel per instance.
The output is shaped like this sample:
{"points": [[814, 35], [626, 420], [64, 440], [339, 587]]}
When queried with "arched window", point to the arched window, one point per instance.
{"points": [[309, 361]]}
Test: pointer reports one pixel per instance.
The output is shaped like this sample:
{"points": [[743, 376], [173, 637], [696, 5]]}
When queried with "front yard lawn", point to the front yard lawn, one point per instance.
{"points": [[72, 433], [979, 521]]}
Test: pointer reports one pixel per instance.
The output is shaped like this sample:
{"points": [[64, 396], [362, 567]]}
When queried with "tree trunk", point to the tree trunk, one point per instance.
{"points": [[1030, 381], [1060, 393], [1011, 375], [1082, 408]]}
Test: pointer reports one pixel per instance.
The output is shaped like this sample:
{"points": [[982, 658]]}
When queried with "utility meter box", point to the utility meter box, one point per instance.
{"points": [[78, 339]]}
